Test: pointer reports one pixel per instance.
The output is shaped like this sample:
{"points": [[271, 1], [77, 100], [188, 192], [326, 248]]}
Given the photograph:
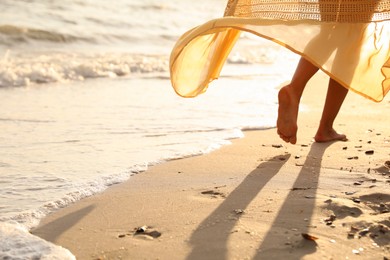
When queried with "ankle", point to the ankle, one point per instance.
{"points": [[325, 128], [326, 124], [295, 90]]}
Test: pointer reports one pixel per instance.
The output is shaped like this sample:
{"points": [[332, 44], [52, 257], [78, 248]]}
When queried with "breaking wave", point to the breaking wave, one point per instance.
{"points": [[63, 67]]}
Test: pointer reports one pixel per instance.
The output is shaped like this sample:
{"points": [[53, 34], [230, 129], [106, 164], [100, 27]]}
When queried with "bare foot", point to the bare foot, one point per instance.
{"points": [[287, 115], [323, 136]]}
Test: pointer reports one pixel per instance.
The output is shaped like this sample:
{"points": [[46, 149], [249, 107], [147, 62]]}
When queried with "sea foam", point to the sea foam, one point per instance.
{"points": [[18, 243], [17, 70]]}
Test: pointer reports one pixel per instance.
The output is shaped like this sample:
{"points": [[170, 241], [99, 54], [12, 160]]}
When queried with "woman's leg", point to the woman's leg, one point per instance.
{"points": [[334, 99], [289, 97]]}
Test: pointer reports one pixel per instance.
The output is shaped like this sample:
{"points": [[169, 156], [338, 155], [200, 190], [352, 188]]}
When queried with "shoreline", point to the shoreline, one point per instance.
{"points": [[108, 131], [251, 199]]}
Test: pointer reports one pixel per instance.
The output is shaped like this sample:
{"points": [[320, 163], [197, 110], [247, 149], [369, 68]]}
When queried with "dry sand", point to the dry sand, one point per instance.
{"points": [[250, 200]]}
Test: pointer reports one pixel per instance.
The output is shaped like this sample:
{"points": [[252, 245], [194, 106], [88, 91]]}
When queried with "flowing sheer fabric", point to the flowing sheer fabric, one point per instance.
{"points": [[347, 39]]}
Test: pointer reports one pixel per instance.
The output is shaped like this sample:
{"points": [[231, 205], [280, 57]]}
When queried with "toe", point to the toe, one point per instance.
{"points": [[293, 140]]}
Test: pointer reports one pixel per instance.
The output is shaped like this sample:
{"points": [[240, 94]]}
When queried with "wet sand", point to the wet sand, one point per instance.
{"points": [[254, 199]]}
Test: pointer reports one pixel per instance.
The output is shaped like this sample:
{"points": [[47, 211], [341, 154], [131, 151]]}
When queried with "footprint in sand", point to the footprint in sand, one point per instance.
{"points": [[377, 230], [342, 211], [378, 202], [214, 194]]}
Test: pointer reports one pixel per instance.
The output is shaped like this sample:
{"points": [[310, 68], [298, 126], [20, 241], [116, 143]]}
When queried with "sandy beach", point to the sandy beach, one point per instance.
{"points": [[257, 198]]}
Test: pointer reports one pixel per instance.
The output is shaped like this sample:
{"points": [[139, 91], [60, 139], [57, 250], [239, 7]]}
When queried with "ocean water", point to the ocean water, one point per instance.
{"points": [[86, 102]]}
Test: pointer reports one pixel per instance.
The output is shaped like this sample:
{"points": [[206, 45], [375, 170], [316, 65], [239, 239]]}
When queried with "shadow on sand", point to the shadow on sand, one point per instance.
{"points": [[52, 230], [241, 197]]}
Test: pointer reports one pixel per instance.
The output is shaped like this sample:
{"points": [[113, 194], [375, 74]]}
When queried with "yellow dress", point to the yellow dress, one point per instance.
{"points": [[347, 39]]}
